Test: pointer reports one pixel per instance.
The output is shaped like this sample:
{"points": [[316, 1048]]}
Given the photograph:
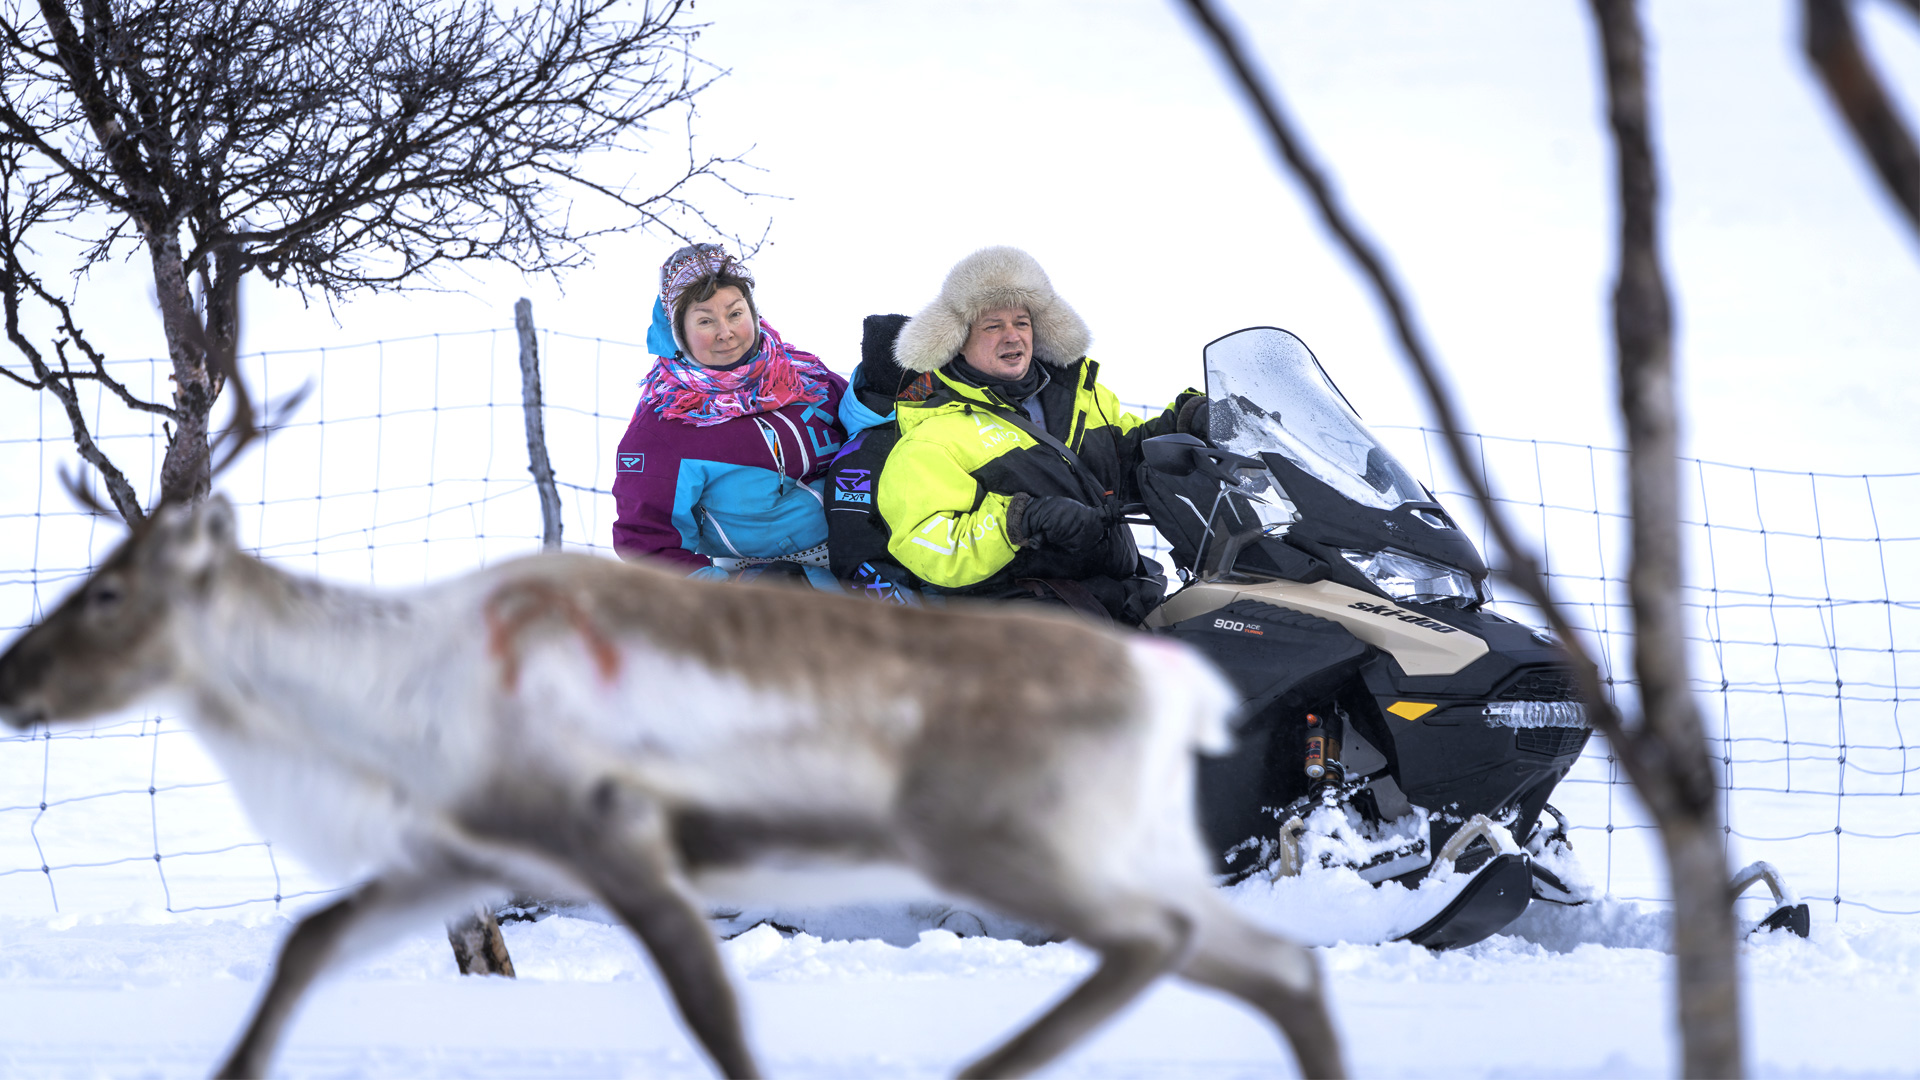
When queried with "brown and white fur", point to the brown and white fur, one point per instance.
{"points": [[569, 722]]}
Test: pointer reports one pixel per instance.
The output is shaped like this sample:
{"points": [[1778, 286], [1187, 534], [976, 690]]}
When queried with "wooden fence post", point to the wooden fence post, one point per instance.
{"points": [[537, 462], [478, 947]]}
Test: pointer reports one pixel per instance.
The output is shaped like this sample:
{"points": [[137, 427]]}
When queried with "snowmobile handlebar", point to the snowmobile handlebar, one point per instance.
{"points": [[1183, 455]]}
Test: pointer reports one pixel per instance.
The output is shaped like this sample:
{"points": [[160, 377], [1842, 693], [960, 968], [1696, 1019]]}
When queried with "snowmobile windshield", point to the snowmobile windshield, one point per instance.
{"points": [[1269, 395]]}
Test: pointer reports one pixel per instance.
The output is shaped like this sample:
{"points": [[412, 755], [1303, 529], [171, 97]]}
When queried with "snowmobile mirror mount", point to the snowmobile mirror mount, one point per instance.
{"points": [[1185, 455], [1218, 557]]}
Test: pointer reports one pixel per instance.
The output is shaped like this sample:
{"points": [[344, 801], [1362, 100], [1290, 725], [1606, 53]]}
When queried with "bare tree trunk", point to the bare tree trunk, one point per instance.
{"points": [[185, 472], [1680, 784]]}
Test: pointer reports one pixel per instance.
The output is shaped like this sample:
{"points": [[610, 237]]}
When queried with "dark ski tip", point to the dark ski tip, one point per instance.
{"points": [[1495, 897], [1795, 917]]}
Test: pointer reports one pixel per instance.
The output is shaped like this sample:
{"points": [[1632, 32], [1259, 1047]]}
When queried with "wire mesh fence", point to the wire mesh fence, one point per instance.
{"points": [[408, 464], [1803, 599]]}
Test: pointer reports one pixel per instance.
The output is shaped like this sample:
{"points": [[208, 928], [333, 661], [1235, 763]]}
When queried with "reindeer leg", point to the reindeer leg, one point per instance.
{"points": [[1271, 974], [676, 934], [636, 881], [1128, 964], [616, 842], [314, 945], [303, 956]]}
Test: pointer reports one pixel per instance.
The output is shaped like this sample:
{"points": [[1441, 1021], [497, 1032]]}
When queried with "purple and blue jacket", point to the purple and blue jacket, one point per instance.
{"points": [[749, 487]]}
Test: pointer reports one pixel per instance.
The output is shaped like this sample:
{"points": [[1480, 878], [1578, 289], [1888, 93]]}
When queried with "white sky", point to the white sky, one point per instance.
{"points": [[1466, 136]]}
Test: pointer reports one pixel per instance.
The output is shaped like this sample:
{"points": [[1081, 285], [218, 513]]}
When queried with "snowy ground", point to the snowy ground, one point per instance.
{"points": [[1568, 993]]}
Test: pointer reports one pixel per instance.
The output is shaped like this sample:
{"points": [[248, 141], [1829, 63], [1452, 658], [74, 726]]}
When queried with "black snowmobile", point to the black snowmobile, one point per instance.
{"points": [[1393, 724]]}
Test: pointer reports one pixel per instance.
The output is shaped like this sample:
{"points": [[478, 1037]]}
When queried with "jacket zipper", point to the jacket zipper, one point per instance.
{"points": [[724, 538], [772, 436], [806, 459]]}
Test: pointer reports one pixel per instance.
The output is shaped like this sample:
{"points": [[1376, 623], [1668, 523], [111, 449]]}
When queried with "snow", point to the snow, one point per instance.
{"points": [[1785, 258], [1568, 992]]}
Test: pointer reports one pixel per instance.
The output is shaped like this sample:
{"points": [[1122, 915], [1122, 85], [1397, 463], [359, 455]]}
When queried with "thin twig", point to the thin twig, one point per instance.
{"points": [[1834, 47], [1523, 569], [79, 338], [126, 502]]}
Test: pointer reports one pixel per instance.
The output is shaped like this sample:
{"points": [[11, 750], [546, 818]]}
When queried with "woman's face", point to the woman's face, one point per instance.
{"points": [[720, 329]]}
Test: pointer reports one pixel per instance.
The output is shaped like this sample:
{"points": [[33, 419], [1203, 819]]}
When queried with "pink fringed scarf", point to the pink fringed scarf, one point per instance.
{"points": [[680, 389]]}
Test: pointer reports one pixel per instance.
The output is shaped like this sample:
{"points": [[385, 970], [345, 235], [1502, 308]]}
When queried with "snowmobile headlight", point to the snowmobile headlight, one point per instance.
{"points": [[1405, 577], [1536, 714]]}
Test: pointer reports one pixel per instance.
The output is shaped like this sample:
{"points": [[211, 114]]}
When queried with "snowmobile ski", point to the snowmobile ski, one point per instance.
{"points": [[1496, 896]]}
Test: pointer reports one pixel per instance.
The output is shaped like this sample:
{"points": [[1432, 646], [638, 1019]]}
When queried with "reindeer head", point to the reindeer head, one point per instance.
{"points": [[114, 639]]}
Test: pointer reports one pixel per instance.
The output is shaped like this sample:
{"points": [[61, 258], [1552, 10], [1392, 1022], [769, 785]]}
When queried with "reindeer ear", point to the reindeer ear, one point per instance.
{"points": [[191, 539], [216, 521]]}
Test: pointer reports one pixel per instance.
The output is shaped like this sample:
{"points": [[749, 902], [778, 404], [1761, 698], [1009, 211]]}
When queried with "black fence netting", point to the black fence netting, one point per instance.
{"points": [[408, 463]]}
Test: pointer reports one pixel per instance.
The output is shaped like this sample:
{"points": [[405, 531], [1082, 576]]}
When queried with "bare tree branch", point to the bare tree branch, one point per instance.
{"points": [[1834, 48], [1672, 769], [78, 338], [25, 204], [1522, 568], [125, 501], [31, 384], [335, 145], [1665, 755]]}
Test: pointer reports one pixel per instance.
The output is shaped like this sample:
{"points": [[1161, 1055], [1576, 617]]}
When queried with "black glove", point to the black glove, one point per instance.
{"points": [[1192, 418], [880, 373], [1059, 522]]}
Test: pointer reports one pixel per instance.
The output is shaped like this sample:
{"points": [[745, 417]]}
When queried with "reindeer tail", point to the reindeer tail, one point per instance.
{"points": [[1184, 687]]}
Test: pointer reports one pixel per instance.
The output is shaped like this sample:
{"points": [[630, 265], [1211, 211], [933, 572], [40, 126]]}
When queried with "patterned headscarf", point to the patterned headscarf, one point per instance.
{"points": [[693, 264]]}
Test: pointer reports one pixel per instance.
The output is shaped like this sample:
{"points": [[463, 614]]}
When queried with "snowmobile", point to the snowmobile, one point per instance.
{"points": [[1393, 724]]}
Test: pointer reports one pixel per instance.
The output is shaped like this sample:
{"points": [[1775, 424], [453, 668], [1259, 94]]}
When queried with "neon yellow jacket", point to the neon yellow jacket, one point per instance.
{"points": [[951, 492]]}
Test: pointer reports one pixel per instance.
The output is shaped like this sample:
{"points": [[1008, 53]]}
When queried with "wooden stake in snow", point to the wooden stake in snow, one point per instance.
{"points": [[477, 945], [537, 462]]}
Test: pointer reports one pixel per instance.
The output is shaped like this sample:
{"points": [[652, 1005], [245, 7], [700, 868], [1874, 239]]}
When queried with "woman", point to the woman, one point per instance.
{"points": [[722, 469]]}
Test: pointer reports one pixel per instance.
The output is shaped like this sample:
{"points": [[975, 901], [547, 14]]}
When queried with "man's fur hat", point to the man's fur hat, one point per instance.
{"points": [[995, 277]]}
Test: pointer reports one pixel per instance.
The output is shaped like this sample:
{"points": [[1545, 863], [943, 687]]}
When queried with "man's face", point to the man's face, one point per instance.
{"points": [[1000, 343]]}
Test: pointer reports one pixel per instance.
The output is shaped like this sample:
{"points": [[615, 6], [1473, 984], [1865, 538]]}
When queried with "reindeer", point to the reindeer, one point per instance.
{"points": [[571, 724]]}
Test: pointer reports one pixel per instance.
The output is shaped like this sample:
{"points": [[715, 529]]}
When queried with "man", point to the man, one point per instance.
{"points": [[1012, 461]]}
